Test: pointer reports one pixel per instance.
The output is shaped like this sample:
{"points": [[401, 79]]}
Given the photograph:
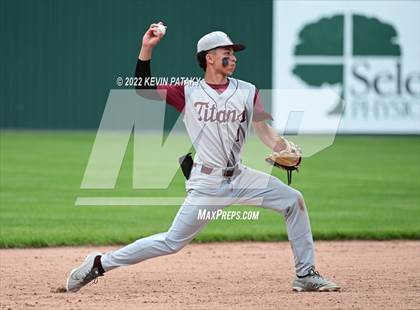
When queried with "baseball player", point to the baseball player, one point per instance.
{"points": [[217, 113]]}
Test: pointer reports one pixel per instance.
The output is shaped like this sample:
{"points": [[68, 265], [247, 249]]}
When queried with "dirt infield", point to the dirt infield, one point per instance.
{"points": [[374, 275]]}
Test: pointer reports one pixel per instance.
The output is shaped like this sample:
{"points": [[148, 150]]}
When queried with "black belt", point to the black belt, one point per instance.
{"points": [[228, 172]]}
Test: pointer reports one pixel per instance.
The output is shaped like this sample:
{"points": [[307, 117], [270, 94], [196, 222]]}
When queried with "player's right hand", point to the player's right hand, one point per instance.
{"points": [[149, 39]]}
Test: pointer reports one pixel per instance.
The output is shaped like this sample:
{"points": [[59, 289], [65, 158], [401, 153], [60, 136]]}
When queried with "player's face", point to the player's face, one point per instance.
{"points": [[223, 60]]}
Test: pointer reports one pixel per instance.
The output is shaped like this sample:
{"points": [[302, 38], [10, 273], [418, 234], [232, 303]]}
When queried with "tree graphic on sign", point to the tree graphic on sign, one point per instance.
{"points": [[324, 45]]}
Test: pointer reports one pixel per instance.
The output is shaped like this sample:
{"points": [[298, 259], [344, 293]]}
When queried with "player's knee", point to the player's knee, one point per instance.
{"points": [[298, 199], [174, 246]]}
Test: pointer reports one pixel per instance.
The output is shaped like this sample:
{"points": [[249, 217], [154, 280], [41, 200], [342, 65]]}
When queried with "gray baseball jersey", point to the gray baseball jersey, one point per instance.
{"points": [[217, 123]]}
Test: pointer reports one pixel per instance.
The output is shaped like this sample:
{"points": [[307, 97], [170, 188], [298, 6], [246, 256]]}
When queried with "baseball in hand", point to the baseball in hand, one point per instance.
{"points": [[160, 28]]}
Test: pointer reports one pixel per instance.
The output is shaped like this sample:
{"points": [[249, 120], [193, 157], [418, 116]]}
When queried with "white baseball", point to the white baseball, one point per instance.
{"points": [[160, 28]]}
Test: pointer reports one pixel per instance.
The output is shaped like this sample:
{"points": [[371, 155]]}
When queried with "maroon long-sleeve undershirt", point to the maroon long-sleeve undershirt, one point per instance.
{"points": [[174, 94]]}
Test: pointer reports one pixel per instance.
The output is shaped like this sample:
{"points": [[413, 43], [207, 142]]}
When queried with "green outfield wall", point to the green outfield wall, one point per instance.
{"points": [[61, 58]]}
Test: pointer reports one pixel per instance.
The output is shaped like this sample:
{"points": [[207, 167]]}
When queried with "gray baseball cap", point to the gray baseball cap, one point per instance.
{"points": [[217, 39]]}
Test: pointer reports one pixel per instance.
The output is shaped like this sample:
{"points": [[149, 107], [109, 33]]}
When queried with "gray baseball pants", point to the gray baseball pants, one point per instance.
{"points": [[213, 192]]}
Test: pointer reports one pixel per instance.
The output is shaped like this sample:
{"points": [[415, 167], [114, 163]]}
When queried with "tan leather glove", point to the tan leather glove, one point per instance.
{"points": [[288, 157]]}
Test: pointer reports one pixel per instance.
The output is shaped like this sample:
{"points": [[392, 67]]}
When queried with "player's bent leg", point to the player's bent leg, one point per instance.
{"points": [[297, 223], [286, 200], [290, 202], [184, 228]]}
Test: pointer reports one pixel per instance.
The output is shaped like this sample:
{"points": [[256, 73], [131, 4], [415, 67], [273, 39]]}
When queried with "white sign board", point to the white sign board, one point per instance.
{"points": [[367, 52]]}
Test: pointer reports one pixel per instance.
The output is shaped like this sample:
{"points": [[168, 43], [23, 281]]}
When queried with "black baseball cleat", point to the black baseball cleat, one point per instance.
{"points": [[83, 274], [314, 282]]}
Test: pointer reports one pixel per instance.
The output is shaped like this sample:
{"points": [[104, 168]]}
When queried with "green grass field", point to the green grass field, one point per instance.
{"points": [[358, 188]]}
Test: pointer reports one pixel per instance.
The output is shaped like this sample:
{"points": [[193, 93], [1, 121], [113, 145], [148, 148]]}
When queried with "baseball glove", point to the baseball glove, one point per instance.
{"points": [[288, 157]]}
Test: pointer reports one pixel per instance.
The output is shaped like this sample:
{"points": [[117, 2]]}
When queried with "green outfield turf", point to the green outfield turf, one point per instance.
{"points": [[358, 188]]}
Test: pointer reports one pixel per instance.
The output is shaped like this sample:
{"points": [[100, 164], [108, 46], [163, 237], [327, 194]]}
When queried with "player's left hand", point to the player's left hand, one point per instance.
{"points": [[288, 157]]}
